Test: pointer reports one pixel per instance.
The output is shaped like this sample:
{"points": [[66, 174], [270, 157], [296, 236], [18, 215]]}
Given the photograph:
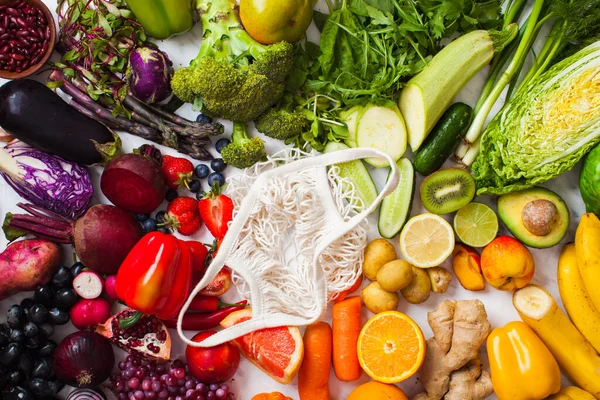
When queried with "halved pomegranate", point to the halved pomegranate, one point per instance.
{"points": [[148, 337]]}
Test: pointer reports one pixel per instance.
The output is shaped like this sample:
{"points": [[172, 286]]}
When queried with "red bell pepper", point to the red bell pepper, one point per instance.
{"points": [[156, 276]]}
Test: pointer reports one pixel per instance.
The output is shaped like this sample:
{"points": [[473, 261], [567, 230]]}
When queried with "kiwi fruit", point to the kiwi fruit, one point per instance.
{"points": [[447, 190]]}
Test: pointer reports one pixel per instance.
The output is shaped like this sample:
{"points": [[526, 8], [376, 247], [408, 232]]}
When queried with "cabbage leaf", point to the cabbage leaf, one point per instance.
{"points": [[545, 129]]}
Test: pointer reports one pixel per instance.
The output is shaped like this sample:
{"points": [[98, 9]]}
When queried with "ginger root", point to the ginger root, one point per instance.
{"points": [[452, 370], [440, 279]]}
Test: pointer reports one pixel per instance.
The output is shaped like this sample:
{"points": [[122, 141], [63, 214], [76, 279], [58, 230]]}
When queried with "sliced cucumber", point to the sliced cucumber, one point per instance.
{"points": [[351, 117], [382, 128], [356, 172], [395, 209]]}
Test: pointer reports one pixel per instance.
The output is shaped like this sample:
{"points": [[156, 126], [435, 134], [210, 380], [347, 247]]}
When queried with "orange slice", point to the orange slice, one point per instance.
{"points": [[276, 351], [376, 390], [391, 347]]}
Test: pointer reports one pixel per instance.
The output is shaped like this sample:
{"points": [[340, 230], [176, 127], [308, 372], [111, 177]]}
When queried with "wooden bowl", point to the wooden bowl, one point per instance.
{"points": [[51, 23]]}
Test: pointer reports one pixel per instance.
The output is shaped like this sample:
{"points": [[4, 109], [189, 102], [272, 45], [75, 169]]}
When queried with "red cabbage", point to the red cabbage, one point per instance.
{"points": [[46, 180], [149, 75]]}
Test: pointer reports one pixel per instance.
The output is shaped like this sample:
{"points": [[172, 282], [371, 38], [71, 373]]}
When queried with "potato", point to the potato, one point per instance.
{"points": [[377, 253], [419, 289], [378, 300], [26, 264], [395, 275]]}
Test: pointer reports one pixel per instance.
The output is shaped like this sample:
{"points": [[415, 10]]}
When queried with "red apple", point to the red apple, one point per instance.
{"points": [[212, 364], [507, 264]]}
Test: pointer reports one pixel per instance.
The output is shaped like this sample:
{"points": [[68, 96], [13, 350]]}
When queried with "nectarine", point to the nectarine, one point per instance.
{"points": [[507, 264]]}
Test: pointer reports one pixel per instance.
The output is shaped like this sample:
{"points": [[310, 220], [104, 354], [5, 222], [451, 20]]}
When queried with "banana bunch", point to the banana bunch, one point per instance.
{"points": [[574, 340]]}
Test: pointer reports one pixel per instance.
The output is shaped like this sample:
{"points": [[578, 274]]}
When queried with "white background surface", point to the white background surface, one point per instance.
{"points": [[249, 380]]}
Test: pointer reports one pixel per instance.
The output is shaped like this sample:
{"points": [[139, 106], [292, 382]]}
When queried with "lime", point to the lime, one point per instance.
{"points": [[476, 224]]}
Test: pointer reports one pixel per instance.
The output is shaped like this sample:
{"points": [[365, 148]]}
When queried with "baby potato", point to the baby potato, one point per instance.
{"points": [[419, 289], [378, 300], [377, 253], [395, 275]]}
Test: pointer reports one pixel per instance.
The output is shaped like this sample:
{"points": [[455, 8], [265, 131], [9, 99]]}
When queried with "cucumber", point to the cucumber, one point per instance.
{"points": [[443, 138], [395, 209], [358, 174], [350, 118], [382, 128], [427, 95]]}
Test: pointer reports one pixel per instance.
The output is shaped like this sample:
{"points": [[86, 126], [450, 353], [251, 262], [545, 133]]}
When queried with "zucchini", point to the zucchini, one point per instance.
{"points": [[443, 138], [382, 128], [395, 209], [350, 118], [358, 174], [427, 95]]}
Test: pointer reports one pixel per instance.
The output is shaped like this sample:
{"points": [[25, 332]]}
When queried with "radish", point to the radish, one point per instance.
{"points": [[86, 313], [88, 285], [110, 287], [102, 237], [134, 183]]}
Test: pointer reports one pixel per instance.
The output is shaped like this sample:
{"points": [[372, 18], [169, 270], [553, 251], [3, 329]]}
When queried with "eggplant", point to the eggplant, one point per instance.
{"points": [[36, 115]]}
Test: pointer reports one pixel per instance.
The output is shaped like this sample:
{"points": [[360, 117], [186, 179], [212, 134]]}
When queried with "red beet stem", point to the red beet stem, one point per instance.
{"points": [[43, 224]]}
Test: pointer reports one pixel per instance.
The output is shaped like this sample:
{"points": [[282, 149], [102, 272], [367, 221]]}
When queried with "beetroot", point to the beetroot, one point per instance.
{"points": [[102, 237], [134, 183], [89, 313]]}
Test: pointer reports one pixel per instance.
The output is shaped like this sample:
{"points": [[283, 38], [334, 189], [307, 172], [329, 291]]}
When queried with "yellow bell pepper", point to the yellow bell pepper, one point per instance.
{"points": [[521, 365]]}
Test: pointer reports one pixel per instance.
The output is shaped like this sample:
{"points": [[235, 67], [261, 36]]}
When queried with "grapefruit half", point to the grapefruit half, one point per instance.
{"points": [[276, 351]]}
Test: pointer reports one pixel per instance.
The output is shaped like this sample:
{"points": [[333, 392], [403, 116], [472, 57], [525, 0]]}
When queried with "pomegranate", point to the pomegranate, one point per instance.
{"points": [[148, 337]]}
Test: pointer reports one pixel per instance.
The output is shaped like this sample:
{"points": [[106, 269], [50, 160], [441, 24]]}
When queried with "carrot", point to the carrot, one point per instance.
{"points": [[346, 329], [341, 296], [313, 378]]}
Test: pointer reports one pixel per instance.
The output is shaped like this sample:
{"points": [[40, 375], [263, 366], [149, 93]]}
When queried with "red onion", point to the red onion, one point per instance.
{"points": [[83, 359], [86, 394]]}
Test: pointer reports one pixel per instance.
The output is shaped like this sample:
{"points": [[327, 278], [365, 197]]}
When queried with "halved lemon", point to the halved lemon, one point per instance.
{"points": [[391, 347], [426, 240]]}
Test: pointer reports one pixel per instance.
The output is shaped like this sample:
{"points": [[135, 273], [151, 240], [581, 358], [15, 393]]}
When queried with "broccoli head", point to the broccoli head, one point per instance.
{"points": [[282, 123], [243, 152], [234, 77]]}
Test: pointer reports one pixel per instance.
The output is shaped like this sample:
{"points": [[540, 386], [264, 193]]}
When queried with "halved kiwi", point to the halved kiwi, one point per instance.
{"points": [[447, 190]]}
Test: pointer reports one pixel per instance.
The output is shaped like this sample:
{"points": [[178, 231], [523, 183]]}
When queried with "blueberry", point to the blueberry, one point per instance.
{"points": [[39, 387], [31, 330], [77, 268], [25, 364], [44, 295], [161, 217], [221, 144], [149, 225], [195, 186], [171, 195], [17, 336], [62, 278], [216, 177], [15, 317], [42, 369], [47, 349], [19, 393], [203, 119], [65, 298], [16, 377], [38, 314], [46, 330], [10, 355], [26, 303], [218, 165], [200, 195], [165, 230], [34, 343], [142, 217], [58, 316], [201, 171]]}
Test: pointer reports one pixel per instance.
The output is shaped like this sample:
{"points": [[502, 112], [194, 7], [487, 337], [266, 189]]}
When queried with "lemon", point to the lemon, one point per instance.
{"points": [[426, 240], [476, 224]]}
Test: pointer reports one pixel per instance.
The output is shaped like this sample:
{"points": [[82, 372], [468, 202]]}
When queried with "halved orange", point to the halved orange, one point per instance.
{"points": [[391, 347], [276, 351]]}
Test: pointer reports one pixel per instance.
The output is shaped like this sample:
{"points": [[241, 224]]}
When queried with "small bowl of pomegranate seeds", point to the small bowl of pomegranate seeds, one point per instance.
{"points": [[27, 37]]}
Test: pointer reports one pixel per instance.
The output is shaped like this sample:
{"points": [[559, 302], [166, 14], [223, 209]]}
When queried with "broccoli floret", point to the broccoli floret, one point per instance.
{"points": [[282, 123], [243, 152], [234, 77]]}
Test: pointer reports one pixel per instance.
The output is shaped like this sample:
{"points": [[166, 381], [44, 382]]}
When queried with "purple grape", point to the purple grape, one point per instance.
{"points": [[190, 393], [119, 386], [213, 387], [156, 386], [122, 365], [128, 364], [177, 364], [201, 387], [163, 394], [179, 373], [179, 398], [173, 390], [130, 372], [225, 388], [147, 384], [210, 396], [171, 381], [163, 378], [182, 389], [189, 384], [220, 393], [150, 395], [123, 396], [141, 372], [160, 369], [133, 383]]}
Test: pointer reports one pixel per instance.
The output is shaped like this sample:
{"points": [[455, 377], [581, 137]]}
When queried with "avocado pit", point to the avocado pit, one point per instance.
{"points": [[540, 216]]}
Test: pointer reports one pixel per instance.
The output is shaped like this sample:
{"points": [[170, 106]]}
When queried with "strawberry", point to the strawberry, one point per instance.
{"points": [[216, 211], [183, 215], [177, 171]]}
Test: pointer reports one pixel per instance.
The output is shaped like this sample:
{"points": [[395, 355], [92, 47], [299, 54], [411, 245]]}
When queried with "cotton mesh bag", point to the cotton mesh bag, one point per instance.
{"points": [[296, 240]]}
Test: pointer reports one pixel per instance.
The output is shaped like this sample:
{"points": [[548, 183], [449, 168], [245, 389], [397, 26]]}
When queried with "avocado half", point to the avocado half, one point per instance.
{"points": [[511, 205]]}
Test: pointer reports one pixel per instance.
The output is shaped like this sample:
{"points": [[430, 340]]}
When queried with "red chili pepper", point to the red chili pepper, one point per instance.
{"points": [[156, 276], [201, 321], [208, 304]]}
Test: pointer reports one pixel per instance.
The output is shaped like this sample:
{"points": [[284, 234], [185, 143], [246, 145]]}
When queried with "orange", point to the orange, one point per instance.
{"points": [[277, 351], [271, 396], [391, 347], [377, 391]]}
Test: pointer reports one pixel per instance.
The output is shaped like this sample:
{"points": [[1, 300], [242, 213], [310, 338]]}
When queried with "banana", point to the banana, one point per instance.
{"points": [[573, 392], [587, 247], [575, 298], [574, 353]]}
